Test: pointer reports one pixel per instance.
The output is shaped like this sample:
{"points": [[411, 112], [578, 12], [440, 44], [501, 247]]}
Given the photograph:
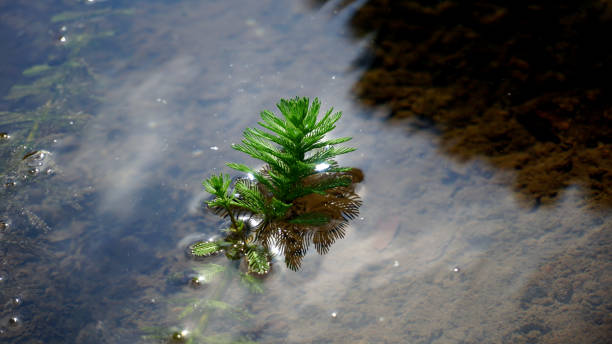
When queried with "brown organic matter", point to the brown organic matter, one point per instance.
{"points": [[525, 86]]}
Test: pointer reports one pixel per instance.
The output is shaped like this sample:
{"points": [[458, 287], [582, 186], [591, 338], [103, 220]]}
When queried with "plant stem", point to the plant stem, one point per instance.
{"points": [[232, 218]]}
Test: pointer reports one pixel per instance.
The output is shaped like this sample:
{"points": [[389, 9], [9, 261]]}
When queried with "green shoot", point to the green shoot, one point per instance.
{"points": [[301, 196]]}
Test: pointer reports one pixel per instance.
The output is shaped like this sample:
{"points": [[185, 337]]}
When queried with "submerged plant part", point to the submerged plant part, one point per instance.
{"points": [[301, 196], [196, 313], [45, 105]]}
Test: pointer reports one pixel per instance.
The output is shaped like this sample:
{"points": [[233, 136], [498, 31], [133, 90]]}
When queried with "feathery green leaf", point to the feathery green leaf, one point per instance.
{"points": [[205, 248], [254, 284], [257, 258]]}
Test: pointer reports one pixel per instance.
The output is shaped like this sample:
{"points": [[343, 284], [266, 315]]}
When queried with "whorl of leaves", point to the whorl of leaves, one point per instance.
{"points": [[257, 258], [292, 148], [314, 219], [251, 198], [205, 248], [219, 186]]}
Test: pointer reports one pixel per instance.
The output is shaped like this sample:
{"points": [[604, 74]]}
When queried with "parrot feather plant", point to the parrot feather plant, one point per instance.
{"points": [[300, 197]]}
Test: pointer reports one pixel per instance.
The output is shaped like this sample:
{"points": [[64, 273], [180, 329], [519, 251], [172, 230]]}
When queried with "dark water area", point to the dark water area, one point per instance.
{"points": [[524, 85], [483, 130]]}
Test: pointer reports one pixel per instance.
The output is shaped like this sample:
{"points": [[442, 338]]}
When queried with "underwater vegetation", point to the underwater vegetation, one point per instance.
{"points": [[51, 95], [55, 96], [197, 312], [40, 108], [47, 103], [542, 111], [300, 197]]}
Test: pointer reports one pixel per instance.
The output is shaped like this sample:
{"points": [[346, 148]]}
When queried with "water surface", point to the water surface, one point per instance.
{"points": [[135, 103]]}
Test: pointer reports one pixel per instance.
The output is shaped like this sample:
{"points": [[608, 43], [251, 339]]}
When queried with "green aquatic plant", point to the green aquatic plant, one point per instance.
{"points": [[301, 195], [294, 149], [50, 99], [199, 312]]}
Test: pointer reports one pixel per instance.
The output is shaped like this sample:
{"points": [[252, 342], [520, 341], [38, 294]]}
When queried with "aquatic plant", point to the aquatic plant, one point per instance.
{"points": [[196, 313], [300, 196], [53, 99], [49, 101]]}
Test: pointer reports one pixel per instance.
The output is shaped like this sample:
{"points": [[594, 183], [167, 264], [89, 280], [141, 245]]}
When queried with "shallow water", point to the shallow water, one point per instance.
{"points": [[140, 101]]}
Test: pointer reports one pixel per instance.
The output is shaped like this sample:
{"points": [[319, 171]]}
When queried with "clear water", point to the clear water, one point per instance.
{"points": [[147, 100]]}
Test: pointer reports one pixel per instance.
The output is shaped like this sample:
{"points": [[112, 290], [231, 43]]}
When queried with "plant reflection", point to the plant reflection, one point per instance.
{"points": [[317, 219]]}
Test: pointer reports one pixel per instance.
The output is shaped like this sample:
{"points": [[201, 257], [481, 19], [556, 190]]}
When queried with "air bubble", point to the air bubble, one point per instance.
{"points": [[456, 269], [196, 282], [179, 336], [39, 155], [9, 183], [13, 321]]}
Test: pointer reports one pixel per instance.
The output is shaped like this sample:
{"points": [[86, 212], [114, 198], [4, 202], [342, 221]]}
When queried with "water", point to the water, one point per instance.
{"points": [[135, 103]]}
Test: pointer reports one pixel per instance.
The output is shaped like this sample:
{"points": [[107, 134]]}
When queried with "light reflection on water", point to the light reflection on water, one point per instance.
{"points": [[142, 157]]}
